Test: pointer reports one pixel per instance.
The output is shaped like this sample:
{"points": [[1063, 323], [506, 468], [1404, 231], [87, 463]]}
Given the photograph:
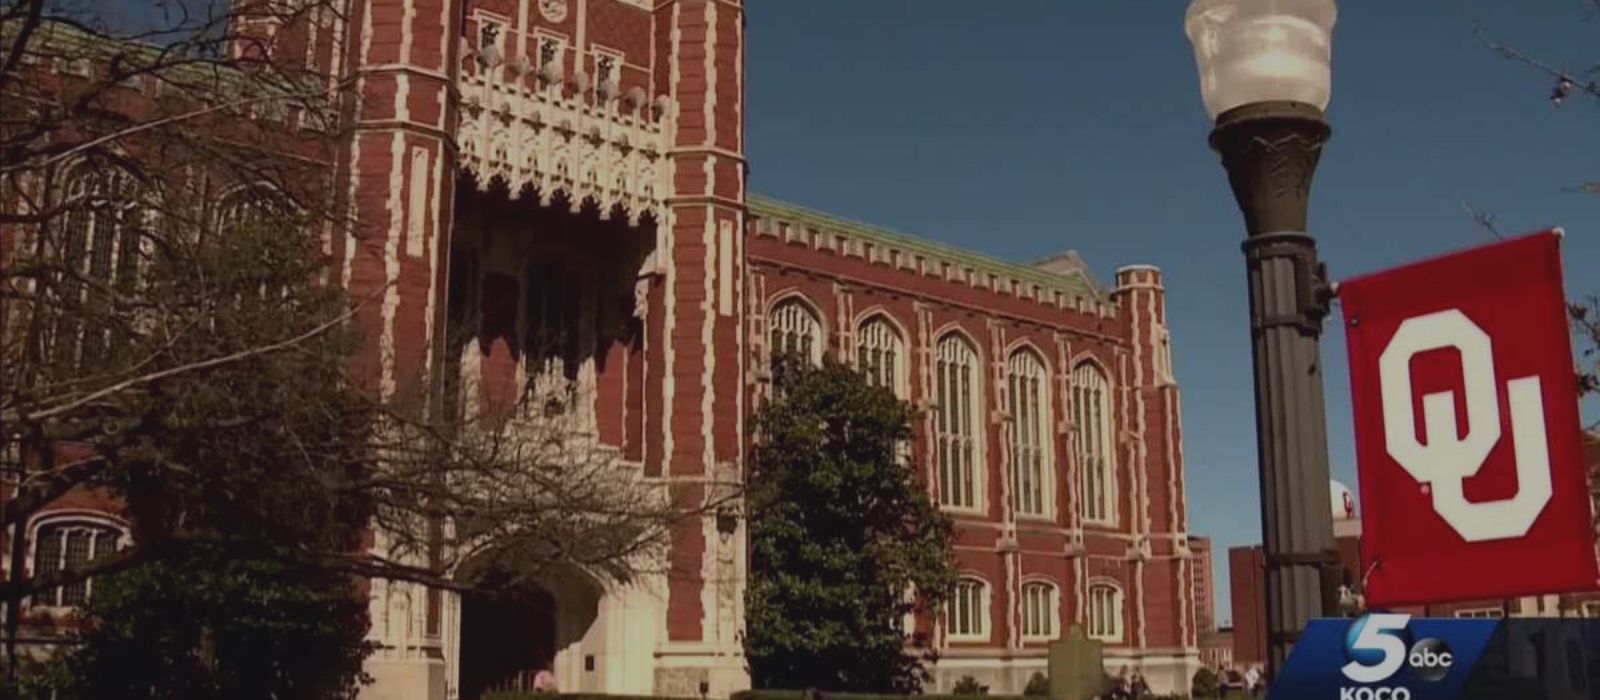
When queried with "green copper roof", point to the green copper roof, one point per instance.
{"points": [[1075, 284]]}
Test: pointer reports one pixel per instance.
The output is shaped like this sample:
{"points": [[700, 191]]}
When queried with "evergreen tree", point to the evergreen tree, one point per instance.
{"points": [[845, 542]]}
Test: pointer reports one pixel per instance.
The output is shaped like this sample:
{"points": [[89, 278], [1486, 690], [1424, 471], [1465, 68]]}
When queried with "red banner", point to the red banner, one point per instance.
{"points": [[1468, 437]]}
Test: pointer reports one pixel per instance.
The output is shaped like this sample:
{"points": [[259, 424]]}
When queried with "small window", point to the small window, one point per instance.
{"points": [[67, 546], [1105, 613], [1481, 613], [1040, 606], [794, 329], [967, 613], [881, 355]]}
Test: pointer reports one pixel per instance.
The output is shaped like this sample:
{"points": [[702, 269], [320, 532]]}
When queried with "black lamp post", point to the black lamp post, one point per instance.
{"points": [[1265, 77]]}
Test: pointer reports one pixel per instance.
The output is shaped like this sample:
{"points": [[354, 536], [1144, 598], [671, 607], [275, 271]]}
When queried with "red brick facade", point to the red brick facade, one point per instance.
{"points": [[848, 275]]}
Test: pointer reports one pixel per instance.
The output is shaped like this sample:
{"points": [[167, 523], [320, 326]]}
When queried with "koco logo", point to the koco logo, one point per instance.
{"points": [[1445, 458], [1377, 650]]}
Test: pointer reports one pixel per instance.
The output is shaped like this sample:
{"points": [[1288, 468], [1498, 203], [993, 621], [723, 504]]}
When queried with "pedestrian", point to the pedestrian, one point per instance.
{"points": [[544, 682], [1138, 688]]}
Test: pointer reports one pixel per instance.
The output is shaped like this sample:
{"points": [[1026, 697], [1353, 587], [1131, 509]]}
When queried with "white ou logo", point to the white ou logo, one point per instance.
{"points": [[1445, 460]]}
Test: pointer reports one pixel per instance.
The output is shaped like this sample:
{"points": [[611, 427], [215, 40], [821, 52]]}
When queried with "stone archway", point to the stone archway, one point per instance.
{"points": [[506, 639], [510, 635]]}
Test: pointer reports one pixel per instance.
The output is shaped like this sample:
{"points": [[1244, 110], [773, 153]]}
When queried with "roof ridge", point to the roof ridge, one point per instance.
{"points": [[760, 204]]}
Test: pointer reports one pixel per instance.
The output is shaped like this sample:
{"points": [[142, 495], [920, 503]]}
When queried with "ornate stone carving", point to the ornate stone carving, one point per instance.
{"points": [[1270, 151], [553, 10], [531, 132]]}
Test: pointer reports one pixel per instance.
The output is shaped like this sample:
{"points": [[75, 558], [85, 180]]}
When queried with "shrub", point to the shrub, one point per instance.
{"points": [[1206, 684], [1038, 685], [969, 686]]}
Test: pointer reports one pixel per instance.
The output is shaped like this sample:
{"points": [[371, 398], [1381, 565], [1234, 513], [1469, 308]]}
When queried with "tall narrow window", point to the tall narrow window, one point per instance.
{"points": [[99, 255], [553, 317], [461, 326], [1030, 435], [795, 330], [958, 428], [1105, 613], [68, 546], [880, 354], [1040, 603], [967, 612], [1092, 437], [1163, 358]]}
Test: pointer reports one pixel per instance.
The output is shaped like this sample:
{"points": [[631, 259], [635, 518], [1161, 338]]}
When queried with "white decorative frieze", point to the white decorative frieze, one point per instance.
{"points": [[529, 125]]}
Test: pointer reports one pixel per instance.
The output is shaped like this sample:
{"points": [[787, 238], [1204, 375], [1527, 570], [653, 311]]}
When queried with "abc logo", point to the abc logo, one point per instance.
{"points": [[1430, 660], [1375, 646]]}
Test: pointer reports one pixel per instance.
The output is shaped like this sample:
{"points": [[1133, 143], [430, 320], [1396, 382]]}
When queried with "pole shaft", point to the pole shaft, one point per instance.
{"points": [[1271, 150], [1291, 436]]}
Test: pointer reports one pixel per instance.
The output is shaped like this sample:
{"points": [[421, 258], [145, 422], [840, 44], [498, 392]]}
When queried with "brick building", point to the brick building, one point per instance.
{"points": [[578, 166], [1205, 613]]}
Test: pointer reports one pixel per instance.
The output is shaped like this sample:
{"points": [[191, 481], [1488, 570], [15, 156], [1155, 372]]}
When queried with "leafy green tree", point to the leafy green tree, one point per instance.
{"points": [[842, 532], [221, 629]]}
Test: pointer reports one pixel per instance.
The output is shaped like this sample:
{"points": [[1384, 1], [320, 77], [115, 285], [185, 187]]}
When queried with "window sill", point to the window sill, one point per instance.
{"points": [[967, 639], [973, 511]]}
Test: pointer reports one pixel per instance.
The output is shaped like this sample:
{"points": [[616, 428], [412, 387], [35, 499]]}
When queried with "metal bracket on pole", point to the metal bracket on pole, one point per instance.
{"points": [[1313, 291]]}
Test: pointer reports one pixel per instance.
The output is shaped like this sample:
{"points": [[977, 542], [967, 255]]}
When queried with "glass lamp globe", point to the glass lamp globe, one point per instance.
{"points": [[1252, 51]]}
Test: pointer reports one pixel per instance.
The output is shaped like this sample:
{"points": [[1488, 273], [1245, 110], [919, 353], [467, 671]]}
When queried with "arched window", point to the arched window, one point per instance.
{"points": [[967, 612], [1030, 435], [1105, 612], [67, 545], [553, 316], [250, 206], [795, 330], [958, 430], [1091, 416], [881, 354], [99, 251], [1041, 605]]}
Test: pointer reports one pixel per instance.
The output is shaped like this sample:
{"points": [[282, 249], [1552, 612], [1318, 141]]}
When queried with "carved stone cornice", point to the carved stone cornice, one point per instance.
{"points": [[560, 138]]}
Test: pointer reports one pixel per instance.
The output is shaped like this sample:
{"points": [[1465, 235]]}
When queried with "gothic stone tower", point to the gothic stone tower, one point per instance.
{"points": [[522, 164]]}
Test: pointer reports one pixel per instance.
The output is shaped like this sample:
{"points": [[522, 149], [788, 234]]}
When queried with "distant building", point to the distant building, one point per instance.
{"points": [[1205, 602], [1216, 648], [1247, 581]]}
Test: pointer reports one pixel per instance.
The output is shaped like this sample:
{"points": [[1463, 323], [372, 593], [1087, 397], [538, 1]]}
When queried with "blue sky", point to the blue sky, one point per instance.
{"points": [[1025, 127]]}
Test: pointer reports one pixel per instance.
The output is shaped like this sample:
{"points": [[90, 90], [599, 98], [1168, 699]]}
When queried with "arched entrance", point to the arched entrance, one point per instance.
{"points": [[506, 639], [510, 633]]}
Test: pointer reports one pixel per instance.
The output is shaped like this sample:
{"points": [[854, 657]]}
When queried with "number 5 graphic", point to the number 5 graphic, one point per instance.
{"points": [[1445, 460], [1377, 632]]}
